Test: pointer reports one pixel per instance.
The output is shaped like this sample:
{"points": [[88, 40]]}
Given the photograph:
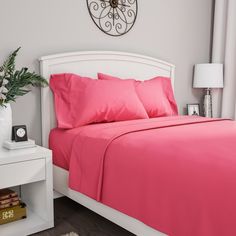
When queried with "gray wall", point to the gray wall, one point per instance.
{"points": [[178, 31]]}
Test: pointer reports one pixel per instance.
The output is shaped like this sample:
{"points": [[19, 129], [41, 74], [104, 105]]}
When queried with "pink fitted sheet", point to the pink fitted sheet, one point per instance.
{"points": [[61, 153]]}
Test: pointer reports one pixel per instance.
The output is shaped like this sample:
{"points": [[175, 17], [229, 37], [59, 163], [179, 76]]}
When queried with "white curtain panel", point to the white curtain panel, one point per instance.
{"points": [[224, 51]]}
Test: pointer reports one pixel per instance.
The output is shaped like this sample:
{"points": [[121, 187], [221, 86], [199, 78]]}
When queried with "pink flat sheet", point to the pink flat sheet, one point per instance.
{"points": [[176, 174]]}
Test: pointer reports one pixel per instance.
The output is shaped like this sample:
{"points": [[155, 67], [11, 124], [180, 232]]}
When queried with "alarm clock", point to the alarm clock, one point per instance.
{"points": [[19, 133]]}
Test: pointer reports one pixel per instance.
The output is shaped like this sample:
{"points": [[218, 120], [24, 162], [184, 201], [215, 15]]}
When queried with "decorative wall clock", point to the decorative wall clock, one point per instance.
{"points": [[113, 17]]}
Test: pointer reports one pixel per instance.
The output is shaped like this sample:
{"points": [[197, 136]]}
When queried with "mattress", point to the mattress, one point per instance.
{"points": [[60, 142], [175, 174]]}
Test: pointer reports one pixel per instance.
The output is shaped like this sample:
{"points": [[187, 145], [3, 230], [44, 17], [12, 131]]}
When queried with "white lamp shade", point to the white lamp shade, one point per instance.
{"points": [[208, 76]]}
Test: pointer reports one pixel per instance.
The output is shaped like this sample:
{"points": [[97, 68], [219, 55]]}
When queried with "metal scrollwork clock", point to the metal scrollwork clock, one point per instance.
{"points": [[113, 17]]}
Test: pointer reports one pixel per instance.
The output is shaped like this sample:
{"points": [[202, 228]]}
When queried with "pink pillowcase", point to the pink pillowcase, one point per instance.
{"points": [[80, 101], [155, 94]]}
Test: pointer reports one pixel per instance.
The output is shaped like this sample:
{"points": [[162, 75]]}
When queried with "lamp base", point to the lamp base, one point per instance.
{"points": [[207, 104]]}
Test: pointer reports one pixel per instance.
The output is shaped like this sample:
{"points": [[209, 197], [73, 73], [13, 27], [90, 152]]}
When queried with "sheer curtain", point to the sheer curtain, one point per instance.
{"points": [[224, 51]]}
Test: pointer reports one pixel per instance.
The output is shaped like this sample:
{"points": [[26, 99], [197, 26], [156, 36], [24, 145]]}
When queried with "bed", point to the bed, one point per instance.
{"points": [[89, 63], [190, 180]]}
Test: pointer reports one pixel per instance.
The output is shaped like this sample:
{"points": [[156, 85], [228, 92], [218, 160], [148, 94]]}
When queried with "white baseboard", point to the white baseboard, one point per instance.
{"points": [[57, 195]]}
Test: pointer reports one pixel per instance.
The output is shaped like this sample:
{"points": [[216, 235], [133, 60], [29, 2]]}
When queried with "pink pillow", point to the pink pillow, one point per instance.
{"points": [[155, 94], [80, 101]]}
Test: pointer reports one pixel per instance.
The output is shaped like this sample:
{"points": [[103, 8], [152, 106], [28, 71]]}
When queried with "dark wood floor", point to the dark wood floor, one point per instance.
{"points": [[70, 216]]}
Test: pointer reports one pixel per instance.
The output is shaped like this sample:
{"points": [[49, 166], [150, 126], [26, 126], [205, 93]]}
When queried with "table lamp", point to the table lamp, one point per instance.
{"points": [[208, 76]]}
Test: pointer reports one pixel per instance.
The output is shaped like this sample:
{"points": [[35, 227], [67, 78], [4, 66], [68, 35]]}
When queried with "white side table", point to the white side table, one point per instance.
{"points": [[29, 171]]}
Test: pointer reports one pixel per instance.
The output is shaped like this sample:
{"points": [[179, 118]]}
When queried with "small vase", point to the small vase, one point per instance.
{"points": [[5, 124]]}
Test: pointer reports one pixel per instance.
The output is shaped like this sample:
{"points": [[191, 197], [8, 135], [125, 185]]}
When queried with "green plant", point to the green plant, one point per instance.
{"points": [[15, 83]]}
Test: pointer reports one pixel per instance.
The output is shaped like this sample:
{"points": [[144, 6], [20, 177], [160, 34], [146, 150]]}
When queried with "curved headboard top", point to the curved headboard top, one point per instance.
{"points": [[89, 63]]}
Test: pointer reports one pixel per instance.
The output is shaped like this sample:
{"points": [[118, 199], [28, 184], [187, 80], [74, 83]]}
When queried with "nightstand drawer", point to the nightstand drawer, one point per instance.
{"points": [[22, 173]]}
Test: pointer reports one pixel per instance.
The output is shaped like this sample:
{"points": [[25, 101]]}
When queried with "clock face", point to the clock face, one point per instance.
{"points": [[20, 133]]}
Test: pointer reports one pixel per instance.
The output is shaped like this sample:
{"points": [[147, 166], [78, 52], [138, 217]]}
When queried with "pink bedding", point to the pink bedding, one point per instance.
{"points": [[60, 142], [107, 101], [176, 174], [156, 94]]}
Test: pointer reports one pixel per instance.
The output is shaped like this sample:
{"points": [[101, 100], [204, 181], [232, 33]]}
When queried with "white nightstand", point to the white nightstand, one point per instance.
{"points": [[29, 171]]}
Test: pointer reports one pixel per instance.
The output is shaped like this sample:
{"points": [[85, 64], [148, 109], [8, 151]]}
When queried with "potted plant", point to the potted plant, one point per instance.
{"points": [[14, 83]]}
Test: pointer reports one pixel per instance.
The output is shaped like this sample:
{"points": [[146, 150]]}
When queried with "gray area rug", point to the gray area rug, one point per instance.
{"points": [[71, 234]]}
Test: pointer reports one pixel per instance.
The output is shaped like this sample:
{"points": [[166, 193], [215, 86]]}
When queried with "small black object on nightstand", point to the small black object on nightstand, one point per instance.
{"points": [[19, 133]]}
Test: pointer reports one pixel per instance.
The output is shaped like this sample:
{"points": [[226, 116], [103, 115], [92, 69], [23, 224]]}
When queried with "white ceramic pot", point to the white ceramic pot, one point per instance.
{"points": [[5, 123]]}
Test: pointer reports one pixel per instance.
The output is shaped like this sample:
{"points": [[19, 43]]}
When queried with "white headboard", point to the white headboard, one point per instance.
{"points": [[88, 63]]}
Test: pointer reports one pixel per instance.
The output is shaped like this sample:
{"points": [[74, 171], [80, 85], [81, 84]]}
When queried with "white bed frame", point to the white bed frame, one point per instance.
{"points": [[124, 65]]}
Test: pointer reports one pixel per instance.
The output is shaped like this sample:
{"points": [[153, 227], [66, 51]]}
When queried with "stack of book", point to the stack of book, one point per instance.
{"points": [[11, 208]]}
